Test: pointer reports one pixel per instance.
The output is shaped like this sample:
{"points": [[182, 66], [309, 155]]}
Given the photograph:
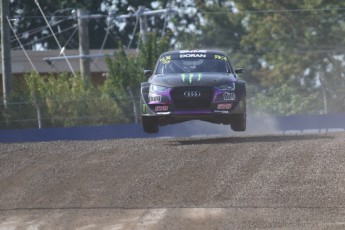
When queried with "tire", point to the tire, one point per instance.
{"points": [[239, 122], [150, 124]]}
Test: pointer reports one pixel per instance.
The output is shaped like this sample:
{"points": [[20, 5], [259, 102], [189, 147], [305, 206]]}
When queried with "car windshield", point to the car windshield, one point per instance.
{"points": [[192, 65]]}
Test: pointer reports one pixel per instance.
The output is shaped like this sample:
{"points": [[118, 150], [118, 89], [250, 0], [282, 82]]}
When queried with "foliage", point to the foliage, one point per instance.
{"points": [[287, 99], [125, 72], [64, 100], [282, 41], [224, 29], [123, 78], [152, 49], [18, 108], [31, 27], [18, 114]]}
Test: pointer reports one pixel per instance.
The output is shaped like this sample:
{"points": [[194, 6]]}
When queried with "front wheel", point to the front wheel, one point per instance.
{"points": [[239, 122], [150, 124]]}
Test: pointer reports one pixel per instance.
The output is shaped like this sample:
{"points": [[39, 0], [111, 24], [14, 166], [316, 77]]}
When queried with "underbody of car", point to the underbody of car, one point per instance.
{"points": [[193, 85]]}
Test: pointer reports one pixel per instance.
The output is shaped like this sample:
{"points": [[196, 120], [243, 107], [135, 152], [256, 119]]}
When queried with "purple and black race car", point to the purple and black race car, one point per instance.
{"points": [[193, 85]]}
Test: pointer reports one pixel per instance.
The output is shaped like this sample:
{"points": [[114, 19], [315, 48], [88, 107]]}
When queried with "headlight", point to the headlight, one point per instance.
{"points": [[157, 88], [229, 86]]}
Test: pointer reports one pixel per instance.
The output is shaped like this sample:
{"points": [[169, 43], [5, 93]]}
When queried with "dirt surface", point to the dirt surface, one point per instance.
{"points": [[243, 182]]}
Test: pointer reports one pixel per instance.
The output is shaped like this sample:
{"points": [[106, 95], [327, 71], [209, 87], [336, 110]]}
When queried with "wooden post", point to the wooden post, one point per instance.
{"points": [[5, 52], [84, 48]]}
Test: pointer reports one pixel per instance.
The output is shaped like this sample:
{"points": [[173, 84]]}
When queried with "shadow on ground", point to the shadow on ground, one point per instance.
{"points": [[251, 139]]}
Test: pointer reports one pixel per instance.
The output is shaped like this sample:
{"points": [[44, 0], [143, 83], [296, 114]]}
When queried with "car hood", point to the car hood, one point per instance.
{"points": [[192, 79]]}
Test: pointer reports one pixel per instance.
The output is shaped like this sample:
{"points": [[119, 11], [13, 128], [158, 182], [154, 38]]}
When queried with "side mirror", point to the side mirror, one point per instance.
{"points": [[239, 70], [147, 73]]}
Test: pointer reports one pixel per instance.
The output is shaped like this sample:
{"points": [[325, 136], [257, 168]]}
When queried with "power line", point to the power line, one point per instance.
{"points": [[273, 11], [38, 29], [62, 50], [205, 12], [70, 37], [46, 37], [29, 32]]}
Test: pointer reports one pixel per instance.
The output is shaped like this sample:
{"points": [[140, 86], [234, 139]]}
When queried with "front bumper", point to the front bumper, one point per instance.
{"points": [[173, 106]]}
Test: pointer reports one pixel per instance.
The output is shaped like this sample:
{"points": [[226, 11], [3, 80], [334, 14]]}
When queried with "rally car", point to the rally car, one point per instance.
{"points": [[193, 85]]}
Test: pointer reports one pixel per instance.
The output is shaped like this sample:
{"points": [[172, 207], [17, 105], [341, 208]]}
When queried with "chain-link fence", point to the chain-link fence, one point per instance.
{"points": [[297, 100], [30, 113], [22, 113]]}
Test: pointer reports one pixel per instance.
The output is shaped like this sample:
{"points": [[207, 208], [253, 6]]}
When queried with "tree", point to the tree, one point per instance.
{"points": [[223, 28], [152, 49], [298, 40], [126, 72], [287, 99], [32, 29]]}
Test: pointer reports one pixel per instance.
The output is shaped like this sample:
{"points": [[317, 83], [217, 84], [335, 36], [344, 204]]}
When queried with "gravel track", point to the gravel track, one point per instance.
{"points": [[242, 182]]}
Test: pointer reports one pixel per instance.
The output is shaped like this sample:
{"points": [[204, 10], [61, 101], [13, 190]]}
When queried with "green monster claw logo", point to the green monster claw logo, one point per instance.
{"points": [[183, 76], [191, 76], [144, 108], [199, 76]]}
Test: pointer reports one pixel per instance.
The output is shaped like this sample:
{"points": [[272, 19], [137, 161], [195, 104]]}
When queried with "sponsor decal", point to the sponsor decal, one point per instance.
{"points": [[155, 98], [163, 113], [190, 77], [229, 96], [192, 51], [224, 106], [161, 108], [192, 94], [193, 55], [221, 111], [165, 60], [219, 57]]}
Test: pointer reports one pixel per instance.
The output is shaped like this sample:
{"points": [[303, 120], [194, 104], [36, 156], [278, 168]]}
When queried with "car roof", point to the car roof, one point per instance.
{"points": [[174, 52]]}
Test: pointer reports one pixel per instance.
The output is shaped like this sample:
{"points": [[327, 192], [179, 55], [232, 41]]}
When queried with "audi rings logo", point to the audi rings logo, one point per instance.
{"points": [[192, 94]]}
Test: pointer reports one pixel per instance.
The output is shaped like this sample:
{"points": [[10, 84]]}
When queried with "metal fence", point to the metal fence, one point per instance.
{"points": [[20, 113]]}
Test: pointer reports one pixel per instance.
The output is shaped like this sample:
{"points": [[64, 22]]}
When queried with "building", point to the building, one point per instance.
{"points": [[21, 65]]}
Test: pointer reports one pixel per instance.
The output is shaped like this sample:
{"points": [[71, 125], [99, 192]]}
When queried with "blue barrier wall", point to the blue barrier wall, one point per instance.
{"points": [[255, 124], [108, 132], [300, 122]]}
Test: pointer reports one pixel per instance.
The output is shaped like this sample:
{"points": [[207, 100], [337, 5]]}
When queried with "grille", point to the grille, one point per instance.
{"points": [[182, 101]]}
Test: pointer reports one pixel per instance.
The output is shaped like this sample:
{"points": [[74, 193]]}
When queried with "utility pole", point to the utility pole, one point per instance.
{"points": [[5, 52], [84, 45], [142, 22]]}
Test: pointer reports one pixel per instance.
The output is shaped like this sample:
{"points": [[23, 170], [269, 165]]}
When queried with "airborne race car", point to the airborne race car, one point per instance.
{"points": [[193, 85]]}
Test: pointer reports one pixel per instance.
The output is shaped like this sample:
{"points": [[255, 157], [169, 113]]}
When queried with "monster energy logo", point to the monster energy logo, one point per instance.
{"points": [[189, 77]]}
